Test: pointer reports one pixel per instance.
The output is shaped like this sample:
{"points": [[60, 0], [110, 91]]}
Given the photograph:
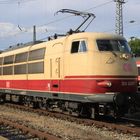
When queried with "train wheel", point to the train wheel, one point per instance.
{"points": [[35, 104], [21, 100], [2, 99], [84, 111]]}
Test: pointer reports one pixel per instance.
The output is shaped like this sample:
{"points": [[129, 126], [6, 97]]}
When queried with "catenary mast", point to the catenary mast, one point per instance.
{"points": [[119, 17]]}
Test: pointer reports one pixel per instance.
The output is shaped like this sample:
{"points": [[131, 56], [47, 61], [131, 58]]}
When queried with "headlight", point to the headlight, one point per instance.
{"points": [[124, 56], [104, 84]]}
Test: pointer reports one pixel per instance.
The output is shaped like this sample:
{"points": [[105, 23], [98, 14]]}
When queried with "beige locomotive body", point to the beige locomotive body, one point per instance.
{"points": [[76, 68]]}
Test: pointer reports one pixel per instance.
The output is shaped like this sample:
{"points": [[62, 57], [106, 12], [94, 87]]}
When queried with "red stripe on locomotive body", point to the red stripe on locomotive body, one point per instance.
{"points": [[90, 83], [75, 84], [90, 86], [101, 76]]}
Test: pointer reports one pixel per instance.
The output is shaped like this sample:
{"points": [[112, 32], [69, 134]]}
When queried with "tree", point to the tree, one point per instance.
{"points": [[135, 45]]}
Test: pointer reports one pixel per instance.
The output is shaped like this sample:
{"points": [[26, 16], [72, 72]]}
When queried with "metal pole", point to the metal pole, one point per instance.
{"points": [[119, 17], [34, 34]]}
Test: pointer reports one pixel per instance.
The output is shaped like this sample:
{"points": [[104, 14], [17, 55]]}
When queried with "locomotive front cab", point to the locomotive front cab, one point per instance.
{"points": [[100, 71], [115, 65], [116, 83]]}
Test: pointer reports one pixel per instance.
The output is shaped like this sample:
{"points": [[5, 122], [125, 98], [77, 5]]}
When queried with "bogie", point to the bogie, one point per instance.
{"points": [[79, 109]]}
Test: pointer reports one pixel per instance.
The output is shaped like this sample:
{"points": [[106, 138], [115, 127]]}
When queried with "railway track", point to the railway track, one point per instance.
{"points": [[122, 126], [14, 130], [7, 131], [135, 121]]}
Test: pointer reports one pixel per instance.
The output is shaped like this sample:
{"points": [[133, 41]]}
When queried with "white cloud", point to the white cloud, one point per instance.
{"points": [[41, 12], [11, 34], [8, 29]]}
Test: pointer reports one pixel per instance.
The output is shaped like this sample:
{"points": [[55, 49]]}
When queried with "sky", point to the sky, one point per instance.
{"points": [[17, 18]]}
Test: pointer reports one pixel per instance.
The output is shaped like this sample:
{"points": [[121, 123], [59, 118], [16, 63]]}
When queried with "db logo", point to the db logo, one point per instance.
{"points": [[127, 67]]}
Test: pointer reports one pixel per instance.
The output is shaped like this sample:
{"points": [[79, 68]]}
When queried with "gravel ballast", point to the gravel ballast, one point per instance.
{"points": [[65, 129]]}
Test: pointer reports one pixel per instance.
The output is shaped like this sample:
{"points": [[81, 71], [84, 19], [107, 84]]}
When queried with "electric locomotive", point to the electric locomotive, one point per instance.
{"points": [[83, 73]]}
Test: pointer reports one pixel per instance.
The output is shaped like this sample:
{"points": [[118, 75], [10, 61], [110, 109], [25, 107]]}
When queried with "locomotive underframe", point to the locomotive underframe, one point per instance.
{"points": [[115, 105]]}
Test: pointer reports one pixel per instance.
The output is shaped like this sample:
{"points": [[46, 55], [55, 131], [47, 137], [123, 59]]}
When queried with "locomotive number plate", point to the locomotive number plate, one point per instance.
{"points": [[128, 83]]}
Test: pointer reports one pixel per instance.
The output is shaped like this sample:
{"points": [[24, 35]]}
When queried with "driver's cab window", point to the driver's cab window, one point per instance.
{"points": [[79, 46]]}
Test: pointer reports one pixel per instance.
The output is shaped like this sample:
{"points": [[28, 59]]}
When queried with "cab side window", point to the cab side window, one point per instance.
{"points": [[82, 46], [79, 46], [75, 47]]}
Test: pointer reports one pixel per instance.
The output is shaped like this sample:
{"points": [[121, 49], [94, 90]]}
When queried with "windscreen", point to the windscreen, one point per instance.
{"points": [[113, 45]]}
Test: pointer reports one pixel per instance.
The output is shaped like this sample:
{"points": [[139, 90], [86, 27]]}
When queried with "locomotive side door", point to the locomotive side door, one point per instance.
{"points": [[55, 73], [56, 66]]}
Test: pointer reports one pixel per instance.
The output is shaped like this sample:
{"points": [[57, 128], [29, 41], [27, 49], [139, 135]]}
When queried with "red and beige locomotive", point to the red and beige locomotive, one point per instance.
{"points": [[85, 73], [79, 72]]}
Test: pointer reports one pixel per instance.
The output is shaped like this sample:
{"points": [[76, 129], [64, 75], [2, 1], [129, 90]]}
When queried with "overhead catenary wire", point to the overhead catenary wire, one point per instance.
{"points": [[94, 7], [66, 17], [89, 9], [126, 25], [19, 16], [98, 6], [28, 29], [14, 1]]}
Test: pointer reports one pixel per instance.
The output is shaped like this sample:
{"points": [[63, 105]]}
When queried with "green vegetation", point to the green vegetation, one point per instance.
{"points": [[135, 45]]}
